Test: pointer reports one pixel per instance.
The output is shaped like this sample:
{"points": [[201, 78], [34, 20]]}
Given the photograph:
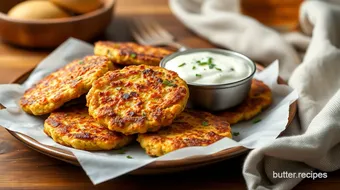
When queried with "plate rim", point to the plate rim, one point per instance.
{"points": [[68, 156]]}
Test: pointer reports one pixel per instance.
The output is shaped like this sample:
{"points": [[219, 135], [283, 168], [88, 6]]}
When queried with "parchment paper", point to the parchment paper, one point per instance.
{"points": [[101, 166]]}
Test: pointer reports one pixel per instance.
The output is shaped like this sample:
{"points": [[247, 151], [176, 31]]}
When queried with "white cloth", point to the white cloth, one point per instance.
{"points": [[313, 141]]}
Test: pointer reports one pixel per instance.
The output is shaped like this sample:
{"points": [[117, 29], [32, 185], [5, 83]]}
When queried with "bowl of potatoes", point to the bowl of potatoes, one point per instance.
{"points": [[48, 23]]}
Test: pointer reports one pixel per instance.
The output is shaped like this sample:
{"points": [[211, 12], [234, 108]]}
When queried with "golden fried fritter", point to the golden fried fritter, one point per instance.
{"points": [[65, 84], [131, 53], [137, 99], [190, 128], [259, 98], [74, 127]]}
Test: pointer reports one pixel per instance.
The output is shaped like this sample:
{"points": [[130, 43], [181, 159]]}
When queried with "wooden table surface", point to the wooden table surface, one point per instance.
{"points": [[23, 168]]}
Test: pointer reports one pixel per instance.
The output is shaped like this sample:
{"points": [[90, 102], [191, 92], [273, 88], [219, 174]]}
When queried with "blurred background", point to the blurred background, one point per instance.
{"points": [[47, 23], [29, 35]]}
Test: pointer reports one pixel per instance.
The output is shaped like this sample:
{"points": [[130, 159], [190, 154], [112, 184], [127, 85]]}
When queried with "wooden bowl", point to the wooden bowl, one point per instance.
{"points": [[52, 32]]}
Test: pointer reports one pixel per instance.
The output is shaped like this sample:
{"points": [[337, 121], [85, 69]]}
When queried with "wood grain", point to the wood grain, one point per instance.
{"points": [[52, 32], [23, 168]]}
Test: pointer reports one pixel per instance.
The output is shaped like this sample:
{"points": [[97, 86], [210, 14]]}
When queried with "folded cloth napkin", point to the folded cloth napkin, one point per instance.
{"points": [[312, 141]]}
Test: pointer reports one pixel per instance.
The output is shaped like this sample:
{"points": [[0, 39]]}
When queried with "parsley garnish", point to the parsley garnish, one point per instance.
{"points": [[202, 63], [205, 123], [211, 66], [81, 62], [257, 120], [210, 60], [181, 65], [198, 75], [133, 55], [129, 157], [121, 151], [168, 83], [236, 134], [218, 69], [193, 68]]}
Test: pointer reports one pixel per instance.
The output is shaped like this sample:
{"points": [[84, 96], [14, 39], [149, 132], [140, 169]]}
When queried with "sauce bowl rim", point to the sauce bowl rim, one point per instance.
{"points": [[218, 51]]}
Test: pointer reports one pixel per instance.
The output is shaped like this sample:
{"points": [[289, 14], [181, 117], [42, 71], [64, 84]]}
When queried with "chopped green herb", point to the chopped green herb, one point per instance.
{"points": [[236, 134], [193, 68], [205, 123], [81, 62], [202, 63], [133, 55], [144, 114], [218, 69], [198, 75], [211, 66], [181, 65], [129, 157], [168, 83], [257, 120], [210, 60], [121, 151]]}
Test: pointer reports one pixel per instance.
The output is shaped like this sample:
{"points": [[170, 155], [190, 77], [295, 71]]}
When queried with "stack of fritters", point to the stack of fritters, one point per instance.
{"points": [[65, 84], [74, 127], [140, 99], [137, 99], [190, 128], [259, 98], [131, 53]]}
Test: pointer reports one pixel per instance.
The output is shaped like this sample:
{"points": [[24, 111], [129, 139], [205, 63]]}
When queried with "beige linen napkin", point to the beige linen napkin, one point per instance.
{"points": [[313, 141]]}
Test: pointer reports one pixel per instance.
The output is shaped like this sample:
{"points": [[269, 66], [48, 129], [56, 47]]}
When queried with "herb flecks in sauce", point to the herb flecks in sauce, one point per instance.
{"points": [[209, 68], [181, 65]]}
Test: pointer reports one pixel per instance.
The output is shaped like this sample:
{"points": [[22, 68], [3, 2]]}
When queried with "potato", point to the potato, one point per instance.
{"points": [[37, 9], [78, 6]]}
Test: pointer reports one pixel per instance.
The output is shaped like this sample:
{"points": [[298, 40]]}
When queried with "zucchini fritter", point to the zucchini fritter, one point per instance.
{"points": [[65, 84], [131, 53], [190, 128], [259, 98], [74, 127], [137, 99]]}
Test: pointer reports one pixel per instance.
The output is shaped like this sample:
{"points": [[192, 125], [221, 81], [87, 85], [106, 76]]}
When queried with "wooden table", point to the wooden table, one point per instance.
{"points": [[23, 168]]}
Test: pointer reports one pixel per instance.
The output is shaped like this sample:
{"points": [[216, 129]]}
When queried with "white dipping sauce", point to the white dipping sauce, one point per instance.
{"points": [[209, 68]]}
